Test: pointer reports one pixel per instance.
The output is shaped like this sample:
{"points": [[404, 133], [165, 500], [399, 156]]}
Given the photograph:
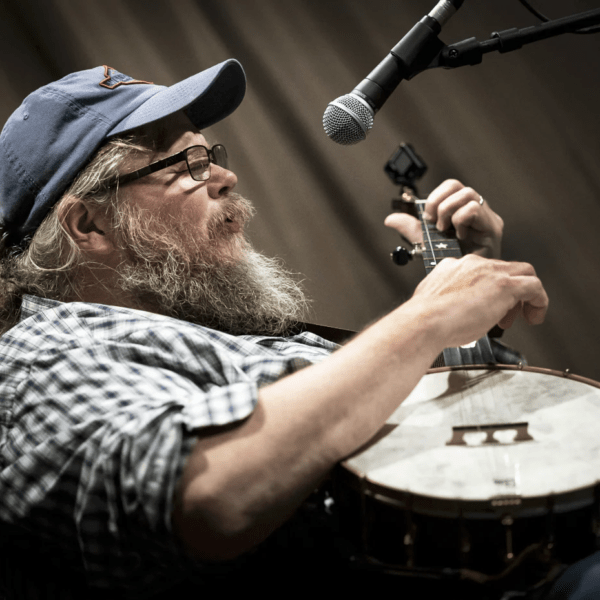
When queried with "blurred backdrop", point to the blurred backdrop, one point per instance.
{"points": [[521, 128]]}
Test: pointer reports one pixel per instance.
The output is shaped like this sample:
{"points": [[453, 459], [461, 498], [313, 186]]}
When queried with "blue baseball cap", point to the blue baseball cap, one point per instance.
{"points": [[58, 128]]}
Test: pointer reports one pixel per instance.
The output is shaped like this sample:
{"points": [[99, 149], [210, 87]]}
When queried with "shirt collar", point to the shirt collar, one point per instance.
{"points": [[33, 304]]}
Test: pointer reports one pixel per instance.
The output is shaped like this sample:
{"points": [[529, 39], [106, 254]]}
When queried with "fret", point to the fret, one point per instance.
{"points": [[440, 254]]}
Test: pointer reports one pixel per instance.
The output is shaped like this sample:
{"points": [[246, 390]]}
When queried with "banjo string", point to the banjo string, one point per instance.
{"points": [[482, 408]]}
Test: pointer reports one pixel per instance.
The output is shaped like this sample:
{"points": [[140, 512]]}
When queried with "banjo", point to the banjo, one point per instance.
{"points": [[480, 465]]}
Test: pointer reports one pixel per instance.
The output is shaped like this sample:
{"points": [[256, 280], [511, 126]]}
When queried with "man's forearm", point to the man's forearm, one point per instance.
{"points": [[240, 485]]}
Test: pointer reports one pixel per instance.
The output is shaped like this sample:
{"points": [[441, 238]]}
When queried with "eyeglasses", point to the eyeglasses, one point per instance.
{"points": [[197, 158]]}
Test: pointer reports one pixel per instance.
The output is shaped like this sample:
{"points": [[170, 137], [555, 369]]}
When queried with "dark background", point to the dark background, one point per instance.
{"points": [[521, 128]]}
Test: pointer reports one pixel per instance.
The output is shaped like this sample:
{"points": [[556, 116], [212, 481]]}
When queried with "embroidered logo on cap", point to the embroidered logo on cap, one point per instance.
{"points": [[118, 78]]}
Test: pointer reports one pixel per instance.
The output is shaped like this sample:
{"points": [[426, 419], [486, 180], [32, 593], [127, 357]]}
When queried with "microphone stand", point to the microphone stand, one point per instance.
{"points": [[470, 51]]}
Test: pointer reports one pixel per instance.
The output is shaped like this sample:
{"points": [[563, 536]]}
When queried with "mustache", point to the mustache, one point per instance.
{"points": [[233, 208]]}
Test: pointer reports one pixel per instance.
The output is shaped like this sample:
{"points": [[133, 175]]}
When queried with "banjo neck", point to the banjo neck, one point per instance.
{"points": [[438, 245]]}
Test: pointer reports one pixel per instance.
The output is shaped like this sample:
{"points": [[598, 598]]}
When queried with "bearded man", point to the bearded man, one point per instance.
{"points": [[158, 415]]}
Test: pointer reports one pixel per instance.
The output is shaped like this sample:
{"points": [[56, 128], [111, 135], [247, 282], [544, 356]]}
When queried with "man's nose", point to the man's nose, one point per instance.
{"points": [[221, 181]]}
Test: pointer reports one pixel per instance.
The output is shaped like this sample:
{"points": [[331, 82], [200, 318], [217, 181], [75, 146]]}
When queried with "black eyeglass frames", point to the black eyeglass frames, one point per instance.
{"points": [[197, 158]]}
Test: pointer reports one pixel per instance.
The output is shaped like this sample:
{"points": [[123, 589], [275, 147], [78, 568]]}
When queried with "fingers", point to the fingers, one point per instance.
{"points": [[531, 299], [407, 226], [444, 191], [535, 315], [478, 227], [474, 294], [454, 204], [472, 219], [511, 316], [533, 311]]}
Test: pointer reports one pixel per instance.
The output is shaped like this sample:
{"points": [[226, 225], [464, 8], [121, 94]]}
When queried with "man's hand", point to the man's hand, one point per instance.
{"points": [[466, 297], [478, 227]]}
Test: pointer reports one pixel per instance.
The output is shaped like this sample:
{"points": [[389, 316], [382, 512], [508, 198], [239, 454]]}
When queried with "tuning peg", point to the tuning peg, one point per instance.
{"points": [[401, 256]]}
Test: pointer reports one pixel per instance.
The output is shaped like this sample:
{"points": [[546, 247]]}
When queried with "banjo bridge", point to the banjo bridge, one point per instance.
{"points": [[458, 433]]}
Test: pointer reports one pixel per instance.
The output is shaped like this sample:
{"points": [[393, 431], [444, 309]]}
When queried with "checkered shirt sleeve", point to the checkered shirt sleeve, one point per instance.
{"points": [[99, 408]]}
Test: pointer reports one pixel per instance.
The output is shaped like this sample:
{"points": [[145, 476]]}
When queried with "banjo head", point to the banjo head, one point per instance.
{"points": [[478, 441]]}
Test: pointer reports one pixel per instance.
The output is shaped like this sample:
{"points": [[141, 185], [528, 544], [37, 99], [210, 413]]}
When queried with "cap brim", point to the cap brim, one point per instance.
{"points": [[208, 97]]}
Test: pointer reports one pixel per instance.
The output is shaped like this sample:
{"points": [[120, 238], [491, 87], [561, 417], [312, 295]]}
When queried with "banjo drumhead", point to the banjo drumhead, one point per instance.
{"points": [[412, 456]]}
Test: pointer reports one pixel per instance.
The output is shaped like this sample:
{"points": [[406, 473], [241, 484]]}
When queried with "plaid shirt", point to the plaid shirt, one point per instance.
{"points": [[99, 408]]}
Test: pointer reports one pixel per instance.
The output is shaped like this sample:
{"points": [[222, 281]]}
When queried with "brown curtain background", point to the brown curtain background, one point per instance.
{"points": [[521, 128]]}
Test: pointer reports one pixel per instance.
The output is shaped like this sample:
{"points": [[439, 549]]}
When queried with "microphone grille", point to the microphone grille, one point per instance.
{"points": [[347, 120]]}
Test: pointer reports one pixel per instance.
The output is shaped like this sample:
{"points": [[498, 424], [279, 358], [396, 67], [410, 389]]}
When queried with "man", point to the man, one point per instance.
{"points": [[155, 417]]}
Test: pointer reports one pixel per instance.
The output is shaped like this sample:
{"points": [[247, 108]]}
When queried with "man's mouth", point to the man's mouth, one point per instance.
{"points": [[232, 226], [235, 213]]}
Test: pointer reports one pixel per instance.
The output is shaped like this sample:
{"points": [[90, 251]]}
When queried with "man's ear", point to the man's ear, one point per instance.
{"points": [[88, 226]]}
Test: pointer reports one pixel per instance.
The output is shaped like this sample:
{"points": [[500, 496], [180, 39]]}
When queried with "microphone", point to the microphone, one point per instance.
{"points": [[349, 118]]}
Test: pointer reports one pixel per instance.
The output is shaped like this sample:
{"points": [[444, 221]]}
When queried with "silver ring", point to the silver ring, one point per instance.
{"points": [[481, 200]]}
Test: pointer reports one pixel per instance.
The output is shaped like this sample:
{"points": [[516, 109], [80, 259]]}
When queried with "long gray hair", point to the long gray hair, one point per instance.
{"points": [[49, 265]]}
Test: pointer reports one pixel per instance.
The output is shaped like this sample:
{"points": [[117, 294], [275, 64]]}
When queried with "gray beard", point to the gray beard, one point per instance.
{"points": [[220, 282]]}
